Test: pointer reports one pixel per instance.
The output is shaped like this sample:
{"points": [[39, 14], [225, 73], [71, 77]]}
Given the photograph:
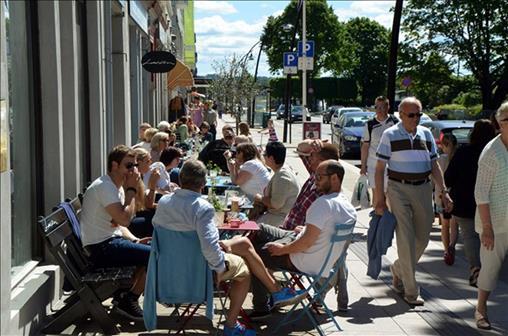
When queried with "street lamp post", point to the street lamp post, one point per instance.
{"points": [[253, 111], [248, 57]]}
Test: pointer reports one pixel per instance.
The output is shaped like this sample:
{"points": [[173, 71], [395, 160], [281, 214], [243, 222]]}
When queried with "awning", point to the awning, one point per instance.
{"points": [[180, 76]]}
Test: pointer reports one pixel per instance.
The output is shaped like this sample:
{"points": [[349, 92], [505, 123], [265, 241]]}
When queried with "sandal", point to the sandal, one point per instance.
{"points": [[473, 278], [482, 321]]}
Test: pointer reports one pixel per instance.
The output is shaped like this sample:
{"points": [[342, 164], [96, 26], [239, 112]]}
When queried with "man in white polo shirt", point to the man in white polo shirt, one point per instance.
{"points": [[372, 132], [410, 153]]}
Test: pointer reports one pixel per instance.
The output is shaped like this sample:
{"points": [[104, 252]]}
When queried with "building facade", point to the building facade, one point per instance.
{"points": [[72, 87]]}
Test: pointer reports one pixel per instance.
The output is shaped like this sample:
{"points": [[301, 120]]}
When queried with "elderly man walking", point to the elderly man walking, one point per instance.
{"points": [[410, 153]]}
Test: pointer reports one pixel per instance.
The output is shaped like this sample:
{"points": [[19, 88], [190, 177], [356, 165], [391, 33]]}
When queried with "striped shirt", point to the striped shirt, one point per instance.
{"points": [[408, 157], [372, 132]]}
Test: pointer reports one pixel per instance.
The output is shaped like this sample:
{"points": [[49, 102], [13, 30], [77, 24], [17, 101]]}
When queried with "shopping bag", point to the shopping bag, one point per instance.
{"points": [[361, 197]]}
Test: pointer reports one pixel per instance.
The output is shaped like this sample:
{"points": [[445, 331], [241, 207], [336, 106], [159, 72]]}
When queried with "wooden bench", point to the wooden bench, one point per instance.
{"points": [[91, 286]]}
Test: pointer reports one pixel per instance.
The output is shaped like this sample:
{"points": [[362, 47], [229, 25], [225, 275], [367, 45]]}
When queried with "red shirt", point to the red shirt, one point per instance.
{"points": [[308, 194]]}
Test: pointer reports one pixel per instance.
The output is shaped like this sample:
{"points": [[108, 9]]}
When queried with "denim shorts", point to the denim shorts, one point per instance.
{"points": [[118, 252]]}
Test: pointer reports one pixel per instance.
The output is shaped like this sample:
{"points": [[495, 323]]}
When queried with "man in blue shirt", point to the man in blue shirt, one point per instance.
{"points": [[409, 153]]}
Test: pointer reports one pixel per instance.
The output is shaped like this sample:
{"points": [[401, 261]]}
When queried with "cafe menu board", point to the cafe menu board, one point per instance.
{"points": [[311, 130], [4, 134]]}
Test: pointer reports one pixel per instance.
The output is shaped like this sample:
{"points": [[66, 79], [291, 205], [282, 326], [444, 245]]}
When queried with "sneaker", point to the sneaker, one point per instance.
{"points": [[287, 296], [238, 330], [259, 315], [128, 306]]}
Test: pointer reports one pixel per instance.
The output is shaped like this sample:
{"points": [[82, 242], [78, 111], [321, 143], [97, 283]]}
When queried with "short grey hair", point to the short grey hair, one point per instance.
{"points": [[411, 101], [503, 109], [193, 175], [164, 126]]}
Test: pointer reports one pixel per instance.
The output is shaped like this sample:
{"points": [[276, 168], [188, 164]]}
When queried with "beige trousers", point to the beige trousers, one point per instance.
{"points": [[412, 207], [492, 262]]}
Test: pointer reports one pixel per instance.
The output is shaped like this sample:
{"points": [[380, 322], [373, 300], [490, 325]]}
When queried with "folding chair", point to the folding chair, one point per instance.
{"points": [[317, 285], [171, 279]]}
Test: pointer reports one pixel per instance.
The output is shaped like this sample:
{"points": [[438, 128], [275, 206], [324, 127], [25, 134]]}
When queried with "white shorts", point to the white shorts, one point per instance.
{"points": [[371, 173]]}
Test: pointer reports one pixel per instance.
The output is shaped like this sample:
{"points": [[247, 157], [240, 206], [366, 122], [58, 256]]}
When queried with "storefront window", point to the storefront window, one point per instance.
{"points": [[21, 126]]}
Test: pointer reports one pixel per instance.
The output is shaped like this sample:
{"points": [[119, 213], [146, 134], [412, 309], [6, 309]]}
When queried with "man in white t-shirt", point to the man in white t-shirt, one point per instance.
{"points": [[372, 132], [108, 207], [279, 248]]}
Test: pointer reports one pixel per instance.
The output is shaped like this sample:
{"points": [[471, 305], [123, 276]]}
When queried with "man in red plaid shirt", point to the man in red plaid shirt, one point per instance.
{"points": [[312, 153]]}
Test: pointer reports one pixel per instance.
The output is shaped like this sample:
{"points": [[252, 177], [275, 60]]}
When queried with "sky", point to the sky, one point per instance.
{"points": [[224, 28]]}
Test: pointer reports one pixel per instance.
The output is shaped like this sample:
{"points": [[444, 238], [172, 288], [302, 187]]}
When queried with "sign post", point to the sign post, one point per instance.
{"points": [[290, 63]]}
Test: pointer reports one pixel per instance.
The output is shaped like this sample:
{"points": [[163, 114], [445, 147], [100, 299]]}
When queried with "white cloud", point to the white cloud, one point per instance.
{"points": [[223, 7], [375, 10], [216, 24]]}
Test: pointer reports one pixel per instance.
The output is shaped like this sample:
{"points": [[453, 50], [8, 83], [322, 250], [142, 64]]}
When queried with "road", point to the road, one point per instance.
{"points": [[297, 130]]}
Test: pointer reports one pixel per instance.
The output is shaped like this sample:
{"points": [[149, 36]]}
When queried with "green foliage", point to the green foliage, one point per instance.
{"points": [[328, 88], [469, 98], [366, 56], [474, 32], [323, 27]]}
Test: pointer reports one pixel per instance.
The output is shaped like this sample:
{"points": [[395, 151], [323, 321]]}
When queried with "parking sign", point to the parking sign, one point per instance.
{"points": [[290, 63], [309, 49]]}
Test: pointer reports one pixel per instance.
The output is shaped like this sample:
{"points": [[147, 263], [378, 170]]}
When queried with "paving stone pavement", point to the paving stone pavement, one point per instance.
{"points": [[374, 308]]}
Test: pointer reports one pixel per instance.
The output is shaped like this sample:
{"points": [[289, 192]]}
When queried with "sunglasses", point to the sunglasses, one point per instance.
{"points": [[319, 176], [504, 120], [228, 137], [131, 165], [412, 115]]}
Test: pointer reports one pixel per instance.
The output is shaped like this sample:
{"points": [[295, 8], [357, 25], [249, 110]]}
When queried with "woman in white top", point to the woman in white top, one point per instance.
{"points": [[248, 171], [491, 220]]}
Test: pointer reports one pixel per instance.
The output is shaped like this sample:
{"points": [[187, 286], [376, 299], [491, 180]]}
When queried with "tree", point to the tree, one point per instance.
{"points": [[368, 44], [233, 84], [323, 27], [429, 72], [472, 31]]}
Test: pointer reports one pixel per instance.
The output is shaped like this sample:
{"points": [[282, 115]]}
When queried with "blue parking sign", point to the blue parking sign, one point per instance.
{"points": [[290, 59], [309, 49]]}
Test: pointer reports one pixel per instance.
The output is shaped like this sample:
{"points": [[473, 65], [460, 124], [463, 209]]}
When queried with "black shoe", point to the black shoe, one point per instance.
{"points": [[259, 315], [128, 306]]}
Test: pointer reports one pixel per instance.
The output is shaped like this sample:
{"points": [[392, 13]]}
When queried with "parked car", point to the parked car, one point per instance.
{"points": [[347, 132], [280, 111], [460, 128], [423, 119], [340, 111], [297, 113], [327, 115]]}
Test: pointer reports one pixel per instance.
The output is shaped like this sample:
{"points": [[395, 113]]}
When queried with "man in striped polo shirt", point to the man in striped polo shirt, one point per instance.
{"points": [[409, 152]]}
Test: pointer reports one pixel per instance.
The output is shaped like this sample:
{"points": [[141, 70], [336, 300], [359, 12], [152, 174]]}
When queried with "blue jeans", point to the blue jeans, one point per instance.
{"points": [[118, 252]]}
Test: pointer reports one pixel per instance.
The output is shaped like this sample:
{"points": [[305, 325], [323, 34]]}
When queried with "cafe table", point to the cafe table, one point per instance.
{"points": [[244, 228]]}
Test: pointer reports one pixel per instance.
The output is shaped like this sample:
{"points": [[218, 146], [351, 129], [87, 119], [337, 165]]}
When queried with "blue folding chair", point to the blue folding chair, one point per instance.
{"points": [[172, 279], [318, 285]]}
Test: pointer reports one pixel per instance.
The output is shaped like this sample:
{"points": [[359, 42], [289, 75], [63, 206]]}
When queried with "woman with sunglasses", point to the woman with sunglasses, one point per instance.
{"points": [[491, 219], [248, 171]]}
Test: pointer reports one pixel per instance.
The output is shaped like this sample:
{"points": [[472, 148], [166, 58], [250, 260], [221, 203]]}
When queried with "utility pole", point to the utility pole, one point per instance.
{"points": [[304, 62], [392, 61]]}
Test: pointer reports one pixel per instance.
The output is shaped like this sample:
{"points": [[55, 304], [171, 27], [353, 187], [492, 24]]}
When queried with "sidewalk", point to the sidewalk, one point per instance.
{"points": [[375, 309]]}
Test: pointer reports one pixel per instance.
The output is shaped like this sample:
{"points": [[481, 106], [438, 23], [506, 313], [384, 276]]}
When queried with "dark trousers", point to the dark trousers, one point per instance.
{"points": [[268, 234]]}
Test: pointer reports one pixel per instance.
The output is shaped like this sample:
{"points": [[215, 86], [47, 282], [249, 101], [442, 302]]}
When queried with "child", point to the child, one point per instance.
{"points": [[270, 129]]}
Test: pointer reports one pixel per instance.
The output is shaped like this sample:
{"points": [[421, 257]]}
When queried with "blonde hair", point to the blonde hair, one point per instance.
{"points": [[164, 126], [149, 133], [239, 139], [157, 138], [141, 153]]}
